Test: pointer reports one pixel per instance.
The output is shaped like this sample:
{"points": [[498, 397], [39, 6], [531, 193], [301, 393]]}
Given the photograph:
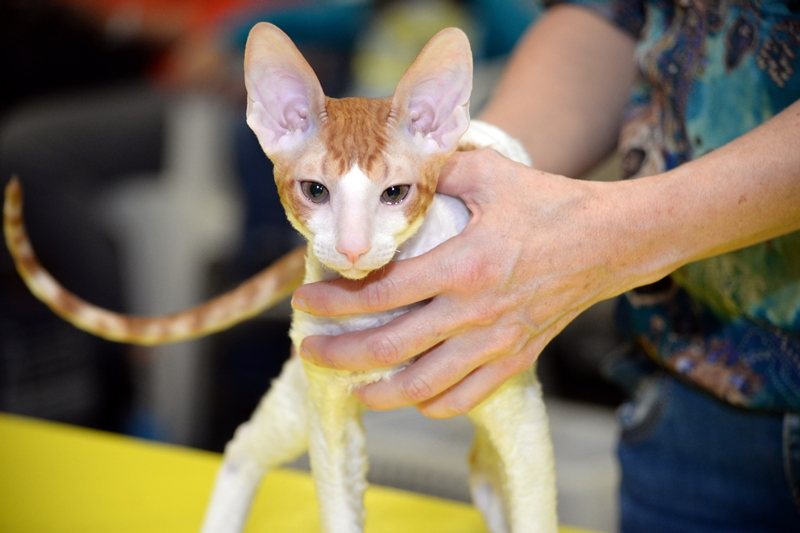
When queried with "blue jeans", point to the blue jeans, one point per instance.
{"points": [[692, 464]]}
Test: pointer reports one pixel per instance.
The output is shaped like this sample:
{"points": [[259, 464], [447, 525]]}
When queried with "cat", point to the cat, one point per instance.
{"points": [[357, 178]]}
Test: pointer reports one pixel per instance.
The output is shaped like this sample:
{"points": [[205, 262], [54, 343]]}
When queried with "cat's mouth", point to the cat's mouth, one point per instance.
{"points": [[359, 270]]}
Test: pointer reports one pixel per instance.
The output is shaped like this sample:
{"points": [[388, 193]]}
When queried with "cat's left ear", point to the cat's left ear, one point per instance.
{"points": [[431, 101], [285, 102]]}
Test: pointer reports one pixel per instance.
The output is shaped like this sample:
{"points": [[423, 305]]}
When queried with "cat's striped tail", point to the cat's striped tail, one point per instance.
{"points": [[246, 301]]}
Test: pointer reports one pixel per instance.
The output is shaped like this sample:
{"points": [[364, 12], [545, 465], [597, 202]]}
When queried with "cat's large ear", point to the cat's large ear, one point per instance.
{"points": [[285, 102], [431, 101]]}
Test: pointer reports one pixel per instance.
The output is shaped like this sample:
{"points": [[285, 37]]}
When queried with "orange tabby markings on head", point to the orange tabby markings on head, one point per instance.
{"points": [[357, 132]]}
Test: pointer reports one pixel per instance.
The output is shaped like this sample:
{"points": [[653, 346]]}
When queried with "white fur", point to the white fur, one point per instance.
{"points": [[512, 479], [354, 219], [485, 135]]}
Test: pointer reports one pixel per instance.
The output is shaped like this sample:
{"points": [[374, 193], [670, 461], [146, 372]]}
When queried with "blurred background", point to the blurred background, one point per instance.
{"points": [[147, 193]]}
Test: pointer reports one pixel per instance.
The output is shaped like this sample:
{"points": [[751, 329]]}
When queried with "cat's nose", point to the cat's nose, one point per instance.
{"points": [[353, 255]]}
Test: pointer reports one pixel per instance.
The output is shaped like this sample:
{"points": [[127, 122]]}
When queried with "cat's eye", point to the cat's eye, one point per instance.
{"points": [[316, 192], [395, 194]]}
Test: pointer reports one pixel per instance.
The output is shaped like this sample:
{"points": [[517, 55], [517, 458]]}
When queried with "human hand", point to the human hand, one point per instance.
{"points": [[534, 255]]}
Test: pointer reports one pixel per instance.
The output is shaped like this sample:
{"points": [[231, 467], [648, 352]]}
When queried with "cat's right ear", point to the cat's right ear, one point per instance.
{"points": [[285, 102]]}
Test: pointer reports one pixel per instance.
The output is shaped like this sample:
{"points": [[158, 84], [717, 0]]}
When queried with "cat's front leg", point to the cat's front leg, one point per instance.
{"points": [[337, 450], [276, 433], [513, 469]]}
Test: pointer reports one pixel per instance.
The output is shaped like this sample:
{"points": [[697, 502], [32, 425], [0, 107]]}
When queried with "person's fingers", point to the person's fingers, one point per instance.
{"points": [[476, 387], [397, 284], [443, 366], [458, 176], [430, 375], [404, 337], [481, 383]]}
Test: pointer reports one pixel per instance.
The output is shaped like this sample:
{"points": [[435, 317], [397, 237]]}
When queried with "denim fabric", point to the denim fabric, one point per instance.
{"points": [[692, 464]]}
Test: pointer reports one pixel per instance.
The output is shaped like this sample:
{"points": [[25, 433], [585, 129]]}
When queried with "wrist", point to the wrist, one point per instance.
{"points": [[645, 233]]}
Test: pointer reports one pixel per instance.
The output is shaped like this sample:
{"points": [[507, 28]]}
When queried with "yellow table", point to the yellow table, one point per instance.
{"points": [[58, 478]]}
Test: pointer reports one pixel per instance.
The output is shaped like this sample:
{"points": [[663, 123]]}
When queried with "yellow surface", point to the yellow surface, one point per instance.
{"points": [[57, 478]]}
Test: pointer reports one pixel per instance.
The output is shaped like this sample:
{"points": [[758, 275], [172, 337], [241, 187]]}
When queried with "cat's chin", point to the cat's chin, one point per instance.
{"points": [[354, 273], [348, 273]]}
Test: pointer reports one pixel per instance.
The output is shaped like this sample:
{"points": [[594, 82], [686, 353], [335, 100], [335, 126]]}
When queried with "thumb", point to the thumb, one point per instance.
{"points": [[473, 177], [397, 284], [457, 176]]}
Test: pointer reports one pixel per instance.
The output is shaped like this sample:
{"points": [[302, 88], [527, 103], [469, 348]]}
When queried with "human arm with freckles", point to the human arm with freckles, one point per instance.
{"points": [[541, 248]]}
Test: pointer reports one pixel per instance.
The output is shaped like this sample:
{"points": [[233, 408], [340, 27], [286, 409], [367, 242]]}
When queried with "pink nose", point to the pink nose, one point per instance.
{"points": [[353, 255]]}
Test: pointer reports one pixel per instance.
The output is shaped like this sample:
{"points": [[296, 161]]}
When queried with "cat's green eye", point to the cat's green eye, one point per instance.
{"points": [[316, 192], [395, 194]]}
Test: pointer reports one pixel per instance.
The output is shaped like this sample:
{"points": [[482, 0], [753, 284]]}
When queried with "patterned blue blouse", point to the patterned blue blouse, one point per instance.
{"points": [[708, 72]]}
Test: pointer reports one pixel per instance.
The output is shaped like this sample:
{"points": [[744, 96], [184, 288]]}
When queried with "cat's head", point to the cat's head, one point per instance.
{"points": [[356, 176]]}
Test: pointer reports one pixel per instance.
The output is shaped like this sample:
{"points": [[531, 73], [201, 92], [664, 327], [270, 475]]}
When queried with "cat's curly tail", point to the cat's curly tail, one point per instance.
{"points": [[262, 291]]}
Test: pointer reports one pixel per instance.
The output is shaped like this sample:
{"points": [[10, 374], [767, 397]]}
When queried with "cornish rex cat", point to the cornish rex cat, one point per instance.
{"points": [[357, 178]]}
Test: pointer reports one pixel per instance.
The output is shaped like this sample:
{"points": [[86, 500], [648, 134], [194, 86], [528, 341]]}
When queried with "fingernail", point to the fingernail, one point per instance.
{"points": [[299, 304], [358, 392], [305, 353]]}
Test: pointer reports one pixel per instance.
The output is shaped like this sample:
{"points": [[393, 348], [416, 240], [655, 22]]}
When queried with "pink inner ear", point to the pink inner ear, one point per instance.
{"points": [[439, 108], [285, 99], [278, 105], [434, 93], [288, 100]]}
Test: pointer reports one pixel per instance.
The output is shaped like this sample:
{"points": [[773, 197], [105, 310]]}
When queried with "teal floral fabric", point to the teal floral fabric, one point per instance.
{"points": [[709, 71]]}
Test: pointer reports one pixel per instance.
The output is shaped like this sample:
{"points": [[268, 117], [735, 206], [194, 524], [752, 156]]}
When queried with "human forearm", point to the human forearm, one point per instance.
{"points": [[564, 90], [740, 194]]}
